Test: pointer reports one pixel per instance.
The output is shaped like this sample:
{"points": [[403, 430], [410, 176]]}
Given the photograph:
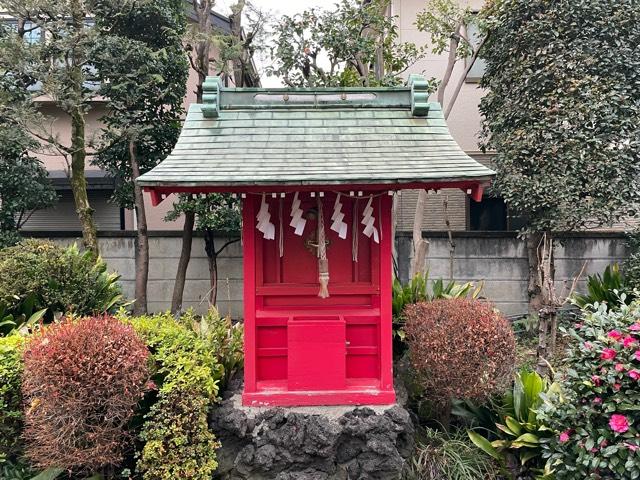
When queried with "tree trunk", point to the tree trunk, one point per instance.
{"points": [[541, 352], [454, 41], [420, 245], [79, 182], [463, 77], [142, 240], [210, 249], [452, 244], [235, 21], [550, 303], [534, 289], [183, 263]]}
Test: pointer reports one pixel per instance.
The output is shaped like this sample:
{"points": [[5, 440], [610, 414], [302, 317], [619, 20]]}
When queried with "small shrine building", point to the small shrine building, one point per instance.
{"points": [[316, 170]]}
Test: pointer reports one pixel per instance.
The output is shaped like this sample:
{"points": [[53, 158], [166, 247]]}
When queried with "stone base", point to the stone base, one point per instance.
{"points": [[311, 443]]}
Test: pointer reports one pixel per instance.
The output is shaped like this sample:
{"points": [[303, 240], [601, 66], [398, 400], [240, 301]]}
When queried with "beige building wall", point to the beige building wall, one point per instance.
{"points": [[464, 121], [107, 215]]}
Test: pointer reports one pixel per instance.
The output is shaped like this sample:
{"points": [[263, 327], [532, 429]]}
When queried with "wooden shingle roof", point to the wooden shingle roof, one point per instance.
{"points": [[257, 137]]}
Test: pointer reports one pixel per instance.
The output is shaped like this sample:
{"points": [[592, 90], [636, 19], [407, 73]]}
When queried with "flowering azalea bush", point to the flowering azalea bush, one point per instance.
{"points": [[597, 417]]}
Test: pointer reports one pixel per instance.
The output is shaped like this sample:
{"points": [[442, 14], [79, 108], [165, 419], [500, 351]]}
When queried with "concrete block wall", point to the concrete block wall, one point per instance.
{"points": [[118, 250], [497, 258]]}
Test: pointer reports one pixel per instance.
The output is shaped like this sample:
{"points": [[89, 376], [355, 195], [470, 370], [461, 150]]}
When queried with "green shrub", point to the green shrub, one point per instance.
{"points": [[177, 440], [223, 337], [440, 456], [10, 397], [611, 288], [60, 279], [596, 419], [515, 440]]}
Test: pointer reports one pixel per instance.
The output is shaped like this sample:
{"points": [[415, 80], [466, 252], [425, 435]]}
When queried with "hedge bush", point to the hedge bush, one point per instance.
{"points": [[177, 440], [460, 349], [597, 419], [82, 381], [10, 397], [60, 279]]}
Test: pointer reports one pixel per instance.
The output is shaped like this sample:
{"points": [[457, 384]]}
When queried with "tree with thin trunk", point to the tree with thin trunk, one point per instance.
{"points": [[447, 24], [562, 112], [53, 62], [143, 73], [232, 62]]}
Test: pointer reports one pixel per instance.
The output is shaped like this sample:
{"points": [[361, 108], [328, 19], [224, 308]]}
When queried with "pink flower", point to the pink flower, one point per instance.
{"points": [[628, 341], [597, 400], [635, 327], [619, 367], [578, 326], [615, 335], [635, 374], [608, 354], [564, 436], [588, 345], [631, 446], [616, 387], [637, 354], [596, 380], [618, 423]]}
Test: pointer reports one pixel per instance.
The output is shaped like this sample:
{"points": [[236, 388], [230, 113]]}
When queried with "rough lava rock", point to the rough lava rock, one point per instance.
{"points": [[310, 443]]}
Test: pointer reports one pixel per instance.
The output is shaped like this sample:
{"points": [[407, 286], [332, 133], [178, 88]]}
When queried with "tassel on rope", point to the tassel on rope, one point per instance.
{"points": [[323, 263]]}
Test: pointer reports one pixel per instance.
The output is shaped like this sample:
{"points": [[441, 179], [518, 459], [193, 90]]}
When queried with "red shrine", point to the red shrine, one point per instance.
{"points": [[317, 170]]}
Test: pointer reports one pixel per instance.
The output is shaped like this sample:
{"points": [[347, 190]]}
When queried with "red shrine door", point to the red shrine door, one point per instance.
{"points": [[301, 349]]}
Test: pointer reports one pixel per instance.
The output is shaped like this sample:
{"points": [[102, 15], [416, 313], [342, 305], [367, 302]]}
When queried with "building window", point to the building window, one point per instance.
{"points": [[478, 68], [488, 215]]}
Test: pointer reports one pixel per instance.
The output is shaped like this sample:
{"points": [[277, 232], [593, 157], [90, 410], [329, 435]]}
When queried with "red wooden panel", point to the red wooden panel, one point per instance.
{"points": [[313, 301], [299, 265], [269, 337], [363, 366], [362, 336], [271, 368], [317, 354]]}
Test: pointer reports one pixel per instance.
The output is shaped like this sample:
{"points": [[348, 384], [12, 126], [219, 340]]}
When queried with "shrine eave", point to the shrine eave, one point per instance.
{"points": [[279, 140]]}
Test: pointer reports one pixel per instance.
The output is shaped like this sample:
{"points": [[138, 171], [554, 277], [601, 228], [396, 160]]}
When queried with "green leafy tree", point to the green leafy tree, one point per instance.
{"points": [[562, 111], [48, 54], [140, 59], [24, 185], [355, 43], [447, 24]]}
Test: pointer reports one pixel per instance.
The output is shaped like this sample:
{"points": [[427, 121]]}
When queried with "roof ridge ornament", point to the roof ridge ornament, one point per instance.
{"points": [[211, 97], [419, 95]]}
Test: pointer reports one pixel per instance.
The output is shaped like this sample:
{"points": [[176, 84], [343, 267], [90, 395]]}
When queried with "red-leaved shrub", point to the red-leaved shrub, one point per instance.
{"points": [[460, 348], [82, 381]]}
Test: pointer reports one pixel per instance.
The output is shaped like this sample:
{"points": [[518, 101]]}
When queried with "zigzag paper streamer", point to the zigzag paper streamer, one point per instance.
{"points": [[339, 225], [297, 222], [368, 221], [265, 225]]}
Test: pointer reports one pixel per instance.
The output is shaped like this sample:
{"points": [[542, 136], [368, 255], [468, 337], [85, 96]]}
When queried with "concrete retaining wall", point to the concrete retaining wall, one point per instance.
{"points": [[499, 259]]}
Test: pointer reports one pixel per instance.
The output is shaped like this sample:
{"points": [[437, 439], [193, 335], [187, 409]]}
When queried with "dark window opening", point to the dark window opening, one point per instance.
{"points": [[489, 215]]}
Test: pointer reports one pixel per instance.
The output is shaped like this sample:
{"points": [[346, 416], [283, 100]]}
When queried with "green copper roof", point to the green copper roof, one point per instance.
{"points": [[251, 137]]}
